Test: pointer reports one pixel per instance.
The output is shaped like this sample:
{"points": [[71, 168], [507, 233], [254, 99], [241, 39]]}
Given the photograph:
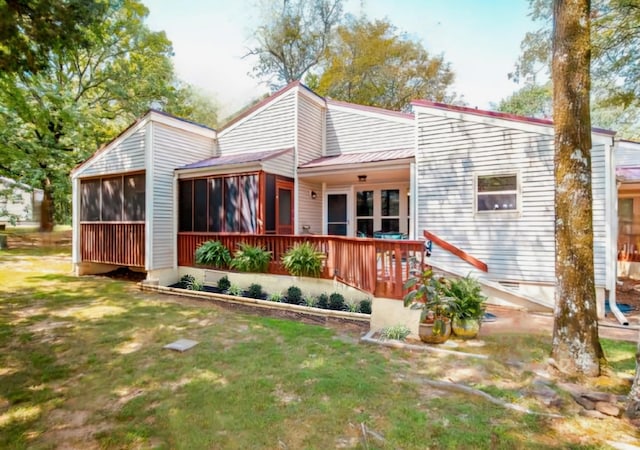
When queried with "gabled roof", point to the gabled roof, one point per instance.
{"points": [[238, 158], [360, 158], [497, 115], [151, 114]]}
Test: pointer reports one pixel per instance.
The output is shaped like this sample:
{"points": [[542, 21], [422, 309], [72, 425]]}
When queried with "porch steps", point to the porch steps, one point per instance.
{"points": [[498, 294]]}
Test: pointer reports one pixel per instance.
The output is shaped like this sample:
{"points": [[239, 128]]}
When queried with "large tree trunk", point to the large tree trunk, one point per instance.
{"points": [[47, 207], [576, 346]]}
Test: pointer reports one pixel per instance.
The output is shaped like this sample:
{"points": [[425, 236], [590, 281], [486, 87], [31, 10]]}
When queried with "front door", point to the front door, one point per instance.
{"points": [[337, 214], [284, 207]]}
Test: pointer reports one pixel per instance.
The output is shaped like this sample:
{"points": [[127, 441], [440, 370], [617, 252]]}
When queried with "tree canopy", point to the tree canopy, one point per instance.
{"points": [[371, 63], [293, 38], [31, 29], [80, 97], [615, 44]]}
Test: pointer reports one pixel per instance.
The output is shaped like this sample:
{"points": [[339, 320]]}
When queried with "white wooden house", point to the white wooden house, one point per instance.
{"points": [[19, 203], [480, 183]]}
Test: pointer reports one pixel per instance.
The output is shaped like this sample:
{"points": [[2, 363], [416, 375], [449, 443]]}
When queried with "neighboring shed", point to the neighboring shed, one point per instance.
{"points": [[19, 203]]}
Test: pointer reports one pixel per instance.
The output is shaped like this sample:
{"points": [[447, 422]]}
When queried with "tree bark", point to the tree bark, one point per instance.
{"points": [[633, 399], [47, 207], [576, 346]]}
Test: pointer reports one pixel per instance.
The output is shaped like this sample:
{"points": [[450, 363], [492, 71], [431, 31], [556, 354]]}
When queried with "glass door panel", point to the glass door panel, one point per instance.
{"points": [[337, 223]]}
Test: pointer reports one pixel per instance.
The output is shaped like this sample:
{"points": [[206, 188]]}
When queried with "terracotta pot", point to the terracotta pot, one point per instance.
{"points": [[466, 328], [436, 332]]}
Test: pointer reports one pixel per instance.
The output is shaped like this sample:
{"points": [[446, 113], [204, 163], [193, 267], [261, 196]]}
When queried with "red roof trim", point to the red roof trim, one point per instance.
{"points": [[497, 115], [259, 105], [373, 109]]}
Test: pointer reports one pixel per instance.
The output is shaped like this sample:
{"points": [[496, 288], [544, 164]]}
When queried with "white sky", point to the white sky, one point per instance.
{"points": [[480, 38]]}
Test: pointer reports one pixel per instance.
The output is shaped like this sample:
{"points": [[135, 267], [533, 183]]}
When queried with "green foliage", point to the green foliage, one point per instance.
{"points": [[224, 284], [255, 291], [352, 307], [322, 301], [372, 63], [250, 258], [615, 43], [213, 253], [294, 296], [309, 301], [303, 260], [425, 292], [530, 101], [235, 290], [189, 282], [467, 295], [397, 332], [365, 306], [336, 302], [275, 297], [293, 38]]}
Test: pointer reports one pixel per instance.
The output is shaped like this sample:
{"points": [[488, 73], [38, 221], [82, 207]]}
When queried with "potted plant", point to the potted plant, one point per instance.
{"points": [[425, 293], [469, 305], [303, 260], [213, 253]]}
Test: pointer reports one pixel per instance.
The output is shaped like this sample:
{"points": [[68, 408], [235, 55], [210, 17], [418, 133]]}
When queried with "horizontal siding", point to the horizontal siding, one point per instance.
{"points": [[310, 118], [516, 246], [627, 155], [272, 128], [127, 155], [309, 210], [172, 148], [281, 165], [349, 132]]}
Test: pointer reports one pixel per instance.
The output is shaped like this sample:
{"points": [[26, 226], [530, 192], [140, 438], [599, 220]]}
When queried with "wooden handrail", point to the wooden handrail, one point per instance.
{"points": [[456, 251]]}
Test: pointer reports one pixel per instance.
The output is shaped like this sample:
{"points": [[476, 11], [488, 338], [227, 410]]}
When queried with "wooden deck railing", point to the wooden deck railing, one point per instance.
{"points": [[377, 266], [112, 243], [456, 251]]}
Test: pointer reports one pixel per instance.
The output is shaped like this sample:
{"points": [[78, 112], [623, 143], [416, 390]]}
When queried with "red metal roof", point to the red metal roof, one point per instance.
{"points": [[628, 173], [238, 158], [496, 114], [360, 158]]}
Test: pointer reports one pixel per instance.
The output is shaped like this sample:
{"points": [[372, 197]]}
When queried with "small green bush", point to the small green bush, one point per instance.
{"points": [[336, 302], [294, 296], [309, 301], [398, 332], [352, 307], [255, 291], [213, 253], [303, 260], [275, 297], [189, 282], [250, 258], [224, 284], [236, 290], [365, 306], [323, 301]]}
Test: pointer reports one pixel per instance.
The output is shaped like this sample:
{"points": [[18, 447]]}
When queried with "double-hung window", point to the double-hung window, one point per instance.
{"points": [[497, 193]]}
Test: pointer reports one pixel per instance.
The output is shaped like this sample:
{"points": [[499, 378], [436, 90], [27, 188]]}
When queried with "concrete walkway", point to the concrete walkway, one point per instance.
{"points": [[514, 321]]}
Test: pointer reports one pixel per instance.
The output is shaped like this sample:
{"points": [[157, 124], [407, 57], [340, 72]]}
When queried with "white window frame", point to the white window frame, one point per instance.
{"points": [[498, 212]]}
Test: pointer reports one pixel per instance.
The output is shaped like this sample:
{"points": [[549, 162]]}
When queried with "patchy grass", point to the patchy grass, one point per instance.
{"points": [[83, 366]]}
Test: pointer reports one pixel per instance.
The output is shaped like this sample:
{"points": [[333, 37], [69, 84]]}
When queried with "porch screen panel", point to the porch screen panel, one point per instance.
{"points": [[134, 197], [112, 199], [185, 205], [216, 205], [90, 201], [270, 204], [200, 205], [231, 204], [364, 212], [248, 202]]}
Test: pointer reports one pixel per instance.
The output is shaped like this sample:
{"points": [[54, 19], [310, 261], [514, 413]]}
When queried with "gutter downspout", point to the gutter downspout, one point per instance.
{"points": [[611, 211]]}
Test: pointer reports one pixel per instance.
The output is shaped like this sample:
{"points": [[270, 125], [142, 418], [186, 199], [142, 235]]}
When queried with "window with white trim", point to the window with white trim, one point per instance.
{"points": [[496, 193]]}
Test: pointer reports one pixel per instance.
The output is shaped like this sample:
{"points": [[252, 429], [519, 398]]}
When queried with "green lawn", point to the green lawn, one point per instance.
{"points": [[82, 366]]}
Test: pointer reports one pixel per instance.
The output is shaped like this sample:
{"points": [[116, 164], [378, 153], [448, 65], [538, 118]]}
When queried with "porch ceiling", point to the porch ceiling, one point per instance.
{"points": [[376, 173]]}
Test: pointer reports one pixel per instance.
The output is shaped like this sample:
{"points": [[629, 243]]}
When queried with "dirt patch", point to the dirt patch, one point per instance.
{"points": [[125, 274]]}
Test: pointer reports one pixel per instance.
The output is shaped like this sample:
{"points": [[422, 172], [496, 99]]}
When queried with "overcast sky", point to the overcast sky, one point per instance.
{"points": [[480, 38]]}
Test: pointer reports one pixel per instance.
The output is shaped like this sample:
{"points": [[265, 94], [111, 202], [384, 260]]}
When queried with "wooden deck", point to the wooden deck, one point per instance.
{"points": [[377, 266]]}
